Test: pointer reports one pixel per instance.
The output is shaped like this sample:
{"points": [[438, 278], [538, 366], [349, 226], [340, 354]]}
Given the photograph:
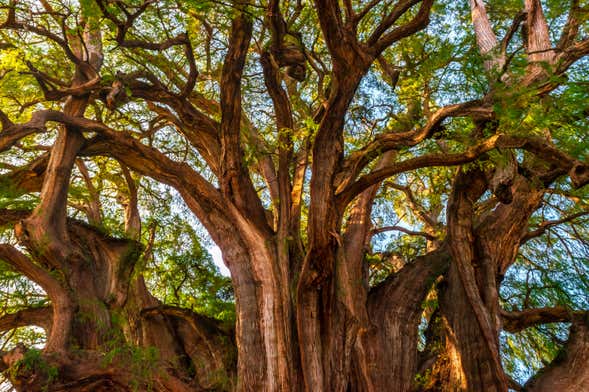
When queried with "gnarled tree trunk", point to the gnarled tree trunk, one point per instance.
{"points": [[307, 318]]}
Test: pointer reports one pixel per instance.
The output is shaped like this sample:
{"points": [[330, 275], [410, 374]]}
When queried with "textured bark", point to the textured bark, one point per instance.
{"points": [[569, 370], [467, 359], [306, 317], [386, 356], [471, 358], [82, 317], [487, 41]]}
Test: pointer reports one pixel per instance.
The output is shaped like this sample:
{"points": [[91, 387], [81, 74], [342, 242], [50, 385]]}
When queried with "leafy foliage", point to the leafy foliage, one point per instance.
{"points": [[412, 80]]}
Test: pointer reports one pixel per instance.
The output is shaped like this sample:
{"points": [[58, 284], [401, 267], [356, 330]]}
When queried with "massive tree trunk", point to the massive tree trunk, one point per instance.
{"points": [[386, 356], [306, 316]]}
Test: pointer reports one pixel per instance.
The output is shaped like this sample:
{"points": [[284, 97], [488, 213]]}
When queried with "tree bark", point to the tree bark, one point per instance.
{"points": [[306, 316], [386, 356], [568, 371]]}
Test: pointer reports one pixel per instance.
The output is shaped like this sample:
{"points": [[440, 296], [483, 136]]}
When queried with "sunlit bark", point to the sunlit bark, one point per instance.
{"points": [[307, 318]]}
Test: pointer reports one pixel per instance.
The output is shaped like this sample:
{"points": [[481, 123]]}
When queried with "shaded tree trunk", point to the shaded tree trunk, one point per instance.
{"points": [[306, 317], [386, 356]]}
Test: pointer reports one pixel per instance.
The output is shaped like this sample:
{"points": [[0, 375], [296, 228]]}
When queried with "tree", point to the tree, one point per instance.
{"points": [[396, 187]]}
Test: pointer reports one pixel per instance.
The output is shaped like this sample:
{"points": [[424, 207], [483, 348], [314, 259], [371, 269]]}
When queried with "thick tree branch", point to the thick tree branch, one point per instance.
{"points": [[235, 179], [28, 178], [59, 296], [284, 125], [538, 40], [516, 321], [356, 237], [571, 54], [11, 133], [199, 129], [132, 217], [202, 196], [578, 171], [332, 26], [467, 189], [486, 38], [400, 8], [499, 229], [395, 312], [571, 28], [40, 317], [569, 371]]}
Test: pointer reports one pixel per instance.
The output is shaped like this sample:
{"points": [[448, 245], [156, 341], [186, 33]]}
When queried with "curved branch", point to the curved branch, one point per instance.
{"points": [[40, 316], [429, 160], [12, 133], [23, 264], [13, 24], [562, 162], [516, 321], [569, 371], [404, 230], [551, 223], [407, 138], [59, 296], [398, 10], [201, 196], [124, 26], [571, 54], [50, 92], [129, 147], [419, 22]]}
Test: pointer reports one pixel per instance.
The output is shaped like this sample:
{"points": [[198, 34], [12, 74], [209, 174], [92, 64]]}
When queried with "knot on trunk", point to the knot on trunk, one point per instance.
{"points": [[579, 175], [502, 178], [292, 57]]}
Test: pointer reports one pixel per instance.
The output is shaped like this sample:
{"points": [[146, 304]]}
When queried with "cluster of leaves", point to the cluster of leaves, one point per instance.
{"points": [[181, 271], [141, 362], [33, 362]]}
